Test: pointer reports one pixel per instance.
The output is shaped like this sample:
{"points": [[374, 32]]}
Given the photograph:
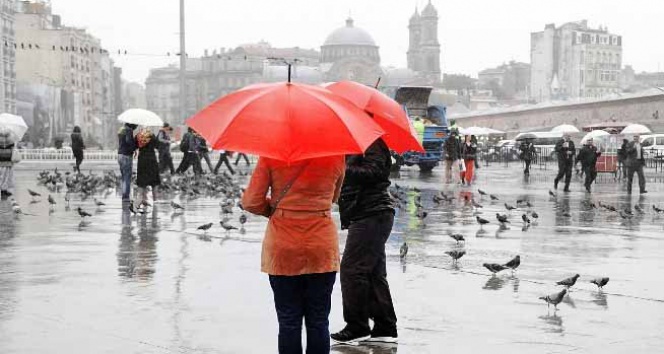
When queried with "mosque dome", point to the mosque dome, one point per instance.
{"points": [[349, 35]]}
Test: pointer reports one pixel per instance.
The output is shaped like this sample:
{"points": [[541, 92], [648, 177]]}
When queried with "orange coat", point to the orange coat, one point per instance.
{"points": [[301, 237]]}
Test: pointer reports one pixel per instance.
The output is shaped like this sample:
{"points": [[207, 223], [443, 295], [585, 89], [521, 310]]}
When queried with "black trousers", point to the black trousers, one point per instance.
{"points": [[564, 170], [204, 155], [527, 169], [166, 163], [590, 173], [364, 287], [223, 158], [78, 155], [637, 168], [190, 159], [244, 156]]}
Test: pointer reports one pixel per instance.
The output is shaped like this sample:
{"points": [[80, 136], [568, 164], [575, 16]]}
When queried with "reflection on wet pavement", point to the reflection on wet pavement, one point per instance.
{"points": [[154, 284]]}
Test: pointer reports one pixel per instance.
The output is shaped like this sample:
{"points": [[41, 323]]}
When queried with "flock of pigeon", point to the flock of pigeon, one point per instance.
{"points": [[528, 217], [186, 188]]}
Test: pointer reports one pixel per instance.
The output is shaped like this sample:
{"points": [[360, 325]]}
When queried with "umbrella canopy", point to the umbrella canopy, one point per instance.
{"points": [[565, 129], [140, 117], [525, 136], [593, 135], [636, 129], [14, 125], [286, 121], [400, 135]]}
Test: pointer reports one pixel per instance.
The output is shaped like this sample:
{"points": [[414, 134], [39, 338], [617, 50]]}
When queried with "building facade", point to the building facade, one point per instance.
{"points": [[574, 61], [507, 81], [423, 46], [8, 55], [63, 77]]}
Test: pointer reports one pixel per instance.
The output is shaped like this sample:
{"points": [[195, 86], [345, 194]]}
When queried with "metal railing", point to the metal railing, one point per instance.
{"points": [[66, 154]]}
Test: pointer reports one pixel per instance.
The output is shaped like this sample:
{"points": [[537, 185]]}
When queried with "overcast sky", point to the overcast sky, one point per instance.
{"points": [[474, 34]]}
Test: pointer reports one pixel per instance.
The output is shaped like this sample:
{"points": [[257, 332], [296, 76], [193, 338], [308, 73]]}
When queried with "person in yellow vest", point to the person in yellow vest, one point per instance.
{"points": [[418, 124]]}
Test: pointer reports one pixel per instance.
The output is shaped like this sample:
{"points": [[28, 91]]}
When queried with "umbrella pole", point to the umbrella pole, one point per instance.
{"points": [[289, 72]]}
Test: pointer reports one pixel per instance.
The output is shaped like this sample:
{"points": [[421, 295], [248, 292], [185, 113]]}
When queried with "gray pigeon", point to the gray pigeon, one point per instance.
{"points": [[600, 282], [458, 238], [569, 282], [456, 254], [514, 263], [554, 299], [403, 251], [494, 267]]}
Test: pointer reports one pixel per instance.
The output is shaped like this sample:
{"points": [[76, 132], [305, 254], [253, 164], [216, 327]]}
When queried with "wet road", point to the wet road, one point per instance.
{"points": [[153, 284]]}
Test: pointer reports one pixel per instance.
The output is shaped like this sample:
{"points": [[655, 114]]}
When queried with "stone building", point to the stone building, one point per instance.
{"points": [[507, 81], [574, 61], [8, 55], [423, 46]]}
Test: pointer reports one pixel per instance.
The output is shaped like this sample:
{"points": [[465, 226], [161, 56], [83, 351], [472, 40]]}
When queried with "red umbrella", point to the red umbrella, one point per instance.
{"points": [[388, 113], [286, 121]]}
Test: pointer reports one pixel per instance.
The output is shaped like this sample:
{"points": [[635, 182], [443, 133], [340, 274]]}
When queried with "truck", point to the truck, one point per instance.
{"points": [[415, 101]]}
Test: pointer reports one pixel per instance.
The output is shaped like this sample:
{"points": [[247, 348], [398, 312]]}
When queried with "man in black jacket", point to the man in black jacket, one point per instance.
{"points": [[165, 158], [527, 154], [452, 150], [566, 151], [367, 211], [588, 157], [635, 162]]}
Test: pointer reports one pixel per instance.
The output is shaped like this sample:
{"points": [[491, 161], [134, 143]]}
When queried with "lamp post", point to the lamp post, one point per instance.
{"points": [[183, 67]]}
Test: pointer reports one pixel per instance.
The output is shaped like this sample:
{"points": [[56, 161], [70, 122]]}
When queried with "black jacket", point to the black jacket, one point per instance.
{"points": [[632, 159], [452, 148], [588, 156], [77, 144], [527, 151], [561, 150], [469, 152], [126, 141], [364, 191], [164, 142]]}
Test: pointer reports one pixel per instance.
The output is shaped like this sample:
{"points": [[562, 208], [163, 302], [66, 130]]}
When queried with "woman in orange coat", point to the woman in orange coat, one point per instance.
{"points": [[301, 246]]}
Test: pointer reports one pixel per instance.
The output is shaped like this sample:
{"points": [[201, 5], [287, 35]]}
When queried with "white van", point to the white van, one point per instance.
{"points": [[653, 144], [545, 142]]}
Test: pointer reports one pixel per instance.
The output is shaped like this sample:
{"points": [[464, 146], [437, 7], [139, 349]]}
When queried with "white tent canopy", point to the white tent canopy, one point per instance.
{"points": [[594, 135], [479, 131], [565, 128], [636, 129]]}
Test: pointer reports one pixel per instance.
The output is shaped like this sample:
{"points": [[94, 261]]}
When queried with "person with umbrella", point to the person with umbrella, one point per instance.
{"points": [[77, 147], [588, 157], [165, 158], [635, 162], [147, 168], [126, 149], [8, 158], [566, 152], [527, 154]]}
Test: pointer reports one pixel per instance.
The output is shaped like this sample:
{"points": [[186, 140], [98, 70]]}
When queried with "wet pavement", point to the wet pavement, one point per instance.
{"points": [[154, 284]]}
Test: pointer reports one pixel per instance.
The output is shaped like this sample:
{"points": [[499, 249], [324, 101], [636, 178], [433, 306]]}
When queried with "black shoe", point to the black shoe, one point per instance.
{"points": [[378, 336], [566, 190], [555, 184], [588, 189], [346, 336], [643, 191]]}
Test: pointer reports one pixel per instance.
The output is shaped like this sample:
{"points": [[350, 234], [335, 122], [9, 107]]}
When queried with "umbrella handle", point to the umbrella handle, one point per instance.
{"points": [[377, 82]]}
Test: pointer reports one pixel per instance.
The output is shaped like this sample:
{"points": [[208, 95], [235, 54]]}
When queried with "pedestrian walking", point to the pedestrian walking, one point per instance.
{"points": [[164, 144], [635, 162], [452, 154], [126, 149], [367, 211], [301, 245], [566, 151], [527, 154], [469, 155], [77, 147], [244, 156], [9, 156], [622, 158], [588, 157], [147, 168], [224, 158], [189, 147], [203, 152]]}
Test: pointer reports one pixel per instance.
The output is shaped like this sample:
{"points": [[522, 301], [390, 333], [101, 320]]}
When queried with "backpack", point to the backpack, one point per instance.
{"points": [[184, 144]]}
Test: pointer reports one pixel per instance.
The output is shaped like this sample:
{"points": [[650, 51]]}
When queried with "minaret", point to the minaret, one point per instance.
{"points": [[414, 39], [429, 45]]}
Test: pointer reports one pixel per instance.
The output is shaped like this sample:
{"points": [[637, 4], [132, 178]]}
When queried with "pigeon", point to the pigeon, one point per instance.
{"points": [[566, 214], [82, 212], [204, 227], [458, 237], [475, 204], [525, 218], [502, 218], [99, 203], [569, 282], [51, 200], [176, 206], [421, 214], [623, 214], [600, 282], [481, 221], [509, 207], [514, 263], [554, 299], [131, 207], [455, 254], [481, 192], [639, 209], [243, 219], [658, 210], [493, 197], [16, 208], [534, 215], [403, 251], [227, 227], [551, 193], [494, 267], [33, 193]]}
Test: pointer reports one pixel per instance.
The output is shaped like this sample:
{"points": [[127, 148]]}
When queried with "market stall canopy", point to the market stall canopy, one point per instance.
{"points": [[636, 129], [479, 131], [594, 135]]}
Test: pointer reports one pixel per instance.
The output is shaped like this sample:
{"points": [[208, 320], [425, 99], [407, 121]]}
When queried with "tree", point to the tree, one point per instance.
{"points": [[458, 82]]}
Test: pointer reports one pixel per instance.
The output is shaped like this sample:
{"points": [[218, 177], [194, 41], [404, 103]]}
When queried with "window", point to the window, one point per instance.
{"points": [[581, 76], [660, 141]]}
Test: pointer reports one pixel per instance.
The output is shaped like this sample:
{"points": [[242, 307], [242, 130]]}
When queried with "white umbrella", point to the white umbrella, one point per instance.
{"points": [[593, 135], [473, 131], [141, 117], [565, 129], [494, 131], [15, 125], [636, 129]]}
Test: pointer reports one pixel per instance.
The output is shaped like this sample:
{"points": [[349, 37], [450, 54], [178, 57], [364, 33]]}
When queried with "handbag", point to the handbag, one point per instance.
{"points": [[272, 207], [462, 166], [16, 156]]}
